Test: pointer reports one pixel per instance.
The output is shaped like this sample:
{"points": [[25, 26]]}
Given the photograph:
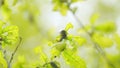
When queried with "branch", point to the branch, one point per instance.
{"points": [[14, 52], [4, 54], [98, 48]]}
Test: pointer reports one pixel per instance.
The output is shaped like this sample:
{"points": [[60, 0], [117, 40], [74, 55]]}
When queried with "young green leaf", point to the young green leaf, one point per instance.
{"points": [[43, 57], [63, 9], [108, 26], [58, 49], [68, 26], [80, 40], [6, 12], [73, 60], [94, 17], [102, 41], [8, 34]]}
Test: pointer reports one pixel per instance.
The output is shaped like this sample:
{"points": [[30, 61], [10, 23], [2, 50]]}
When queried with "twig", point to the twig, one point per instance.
{"points": [[14, 52], [98, 48], [4, 54]]}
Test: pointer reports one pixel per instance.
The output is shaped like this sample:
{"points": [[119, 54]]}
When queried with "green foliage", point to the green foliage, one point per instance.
{"points": [[68, 49], [66, 46], [102, 40], [57, 49], [2, 61], [68, 26], [80, 40], [115, 59], [94, 18], [98, 32], [73, 60], [8, 33], [6, 12], [43, 57], [108, 26], [63, 5], [60, 5], [44, 61]]}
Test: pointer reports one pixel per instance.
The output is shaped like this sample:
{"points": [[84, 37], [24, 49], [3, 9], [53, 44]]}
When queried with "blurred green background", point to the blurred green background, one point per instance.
{"points": [[38, 24]]}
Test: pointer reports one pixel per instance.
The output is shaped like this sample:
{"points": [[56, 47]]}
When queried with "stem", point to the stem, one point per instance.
{"points": [[97, 47], [14, 52], [4, 54]]}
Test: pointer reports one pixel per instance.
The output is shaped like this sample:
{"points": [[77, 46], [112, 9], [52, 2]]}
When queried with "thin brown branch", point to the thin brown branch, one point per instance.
{"points": [[14, 52]]}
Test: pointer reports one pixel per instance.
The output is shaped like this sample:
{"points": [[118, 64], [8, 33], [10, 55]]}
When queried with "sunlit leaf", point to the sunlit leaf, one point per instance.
{"points": [[9, 35], [63, 9], [6, 12], [58, 38], [68, 26], [69, 37], [106, 27], [102, 41], [57, 49], [87, 28], [73, 60], [94, 17], [43, 56], [55, 53], [50, 43], [80, 40], [56, 7], [60, 46], [114, 59]]}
